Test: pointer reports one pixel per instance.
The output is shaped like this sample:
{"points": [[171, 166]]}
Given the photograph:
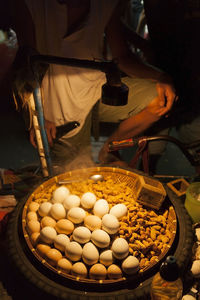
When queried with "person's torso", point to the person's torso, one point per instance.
{"points": [[70, 92]]}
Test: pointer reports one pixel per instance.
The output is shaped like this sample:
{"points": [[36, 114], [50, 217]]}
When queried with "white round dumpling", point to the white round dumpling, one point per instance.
{"points": [[47, 221], [119, 210], [58, 211], [106, 257], [53, 256], [33, 226], [110, 224], [64, 265], [76, 215], [44, 209], [98, 272], [197, 253], [90, 254], [32, 216], [130, 265], [60, 241], [60, 194], [79, 269], [81, 234], [71, 201], [100, 238], [101, 208], [88, 200], [64, 226], [92, 222], [197, 231], [48, 234], [73, 251], [195, 269], [114, 272], [35, 238], [42, 249], [120, 248], [188, 297], [33, 206]]}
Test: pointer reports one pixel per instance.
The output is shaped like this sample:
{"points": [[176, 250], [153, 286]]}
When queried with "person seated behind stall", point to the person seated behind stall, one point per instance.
{"points": [[173, 46], [75, 29]]}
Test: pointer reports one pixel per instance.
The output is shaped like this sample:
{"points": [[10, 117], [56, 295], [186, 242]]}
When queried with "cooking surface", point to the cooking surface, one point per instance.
{"points": [[121, 180], [12, 274]]}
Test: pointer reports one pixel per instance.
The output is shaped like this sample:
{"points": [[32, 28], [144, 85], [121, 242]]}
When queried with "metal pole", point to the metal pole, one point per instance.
{"points": [[40, 133]]}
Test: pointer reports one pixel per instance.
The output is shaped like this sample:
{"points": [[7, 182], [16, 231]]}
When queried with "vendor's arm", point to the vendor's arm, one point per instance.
{"points": [[132, 65], [133, 126]]}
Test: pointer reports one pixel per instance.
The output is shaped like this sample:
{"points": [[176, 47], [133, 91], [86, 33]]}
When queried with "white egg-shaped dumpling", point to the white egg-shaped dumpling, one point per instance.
{"points": [[60, 241], [44, 208], [76, 215], [33, 206], [106, 257], [33, 226], [31, 216], [64, 264], [195, 269], [35, 238], [100, 238], [188, 297], [197, 253], [130, 265], [42, 249], [58, 211], [81, 234], [64, 226], [53, 256], [92, 222], [47, 221], [197, 232], [101, 208], [48, 234], [60, 194], [71, 201], [79, 270], [90, 254], [120, 248], [119, 210], [98, 272], [88, 200], [110, 224], [73, 251], [114, 272]]}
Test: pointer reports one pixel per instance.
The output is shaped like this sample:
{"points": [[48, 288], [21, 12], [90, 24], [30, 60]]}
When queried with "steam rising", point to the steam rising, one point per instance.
{"points": [[75, 159]]}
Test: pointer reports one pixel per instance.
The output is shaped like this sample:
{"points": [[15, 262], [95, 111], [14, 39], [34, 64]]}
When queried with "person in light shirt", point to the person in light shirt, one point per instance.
{"points": [[77, 29]]}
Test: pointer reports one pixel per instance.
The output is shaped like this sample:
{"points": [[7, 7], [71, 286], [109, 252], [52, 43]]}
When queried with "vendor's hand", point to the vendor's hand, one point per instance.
{"points": [[106, 157], [166, 94], [50, 131], [154, 109], [103, 154]]}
